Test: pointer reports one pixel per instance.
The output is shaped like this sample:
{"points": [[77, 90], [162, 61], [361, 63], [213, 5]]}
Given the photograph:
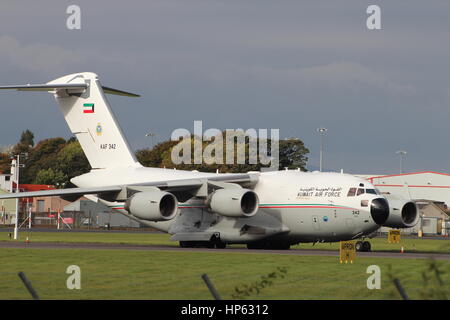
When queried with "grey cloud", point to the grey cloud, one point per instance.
{"points": [[37, 57], [341, 77], [349, 75], [292, 65]]}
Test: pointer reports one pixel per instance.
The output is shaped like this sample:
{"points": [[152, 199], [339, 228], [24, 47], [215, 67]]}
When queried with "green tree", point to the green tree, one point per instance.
{"points": [[27, 138], [42, 156], [50, 176], [25, 143], [71, 160], [5, 163], [154, 157], [65, 158], [292, 154]]}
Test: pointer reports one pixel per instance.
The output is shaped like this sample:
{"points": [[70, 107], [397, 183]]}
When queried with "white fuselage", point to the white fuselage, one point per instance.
{"points": [[294, 206]]}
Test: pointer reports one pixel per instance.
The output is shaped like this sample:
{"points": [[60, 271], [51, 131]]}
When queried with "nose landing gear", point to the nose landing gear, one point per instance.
{"points": [[363, 246]]}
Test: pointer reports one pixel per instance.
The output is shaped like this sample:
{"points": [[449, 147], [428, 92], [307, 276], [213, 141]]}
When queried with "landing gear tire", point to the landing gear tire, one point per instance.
{"points": [[196, 244], [366, 246], [184, 244], [363, 246], [221, 245], [359, 246], [216, 242], [266, 246], [254, 246]]}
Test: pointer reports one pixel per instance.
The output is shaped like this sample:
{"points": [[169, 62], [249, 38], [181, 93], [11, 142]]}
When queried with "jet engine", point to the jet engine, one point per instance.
{"points": [[234, 202], [402, 214], [152, 205]]}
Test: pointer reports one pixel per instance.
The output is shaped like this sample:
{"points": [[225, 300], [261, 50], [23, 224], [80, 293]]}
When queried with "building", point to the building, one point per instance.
{"points": [[6, 182], [8, 210], [83, 213], [87, 213], [431, 192], [39, 206], [415, 185]]}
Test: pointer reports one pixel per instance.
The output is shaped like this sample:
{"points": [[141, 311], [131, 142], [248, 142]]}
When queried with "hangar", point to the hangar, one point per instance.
{"points": [[429, 189], [81, 213], [416, 185], [88, 213]]}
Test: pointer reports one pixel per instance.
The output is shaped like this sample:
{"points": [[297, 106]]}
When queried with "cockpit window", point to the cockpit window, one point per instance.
{"points": [[360, 191], [351, 192], [371, 191]]}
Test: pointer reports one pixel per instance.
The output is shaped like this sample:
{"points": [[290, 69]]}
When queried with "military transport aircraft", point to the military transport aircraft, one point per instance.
{"points": [[265, 210]]}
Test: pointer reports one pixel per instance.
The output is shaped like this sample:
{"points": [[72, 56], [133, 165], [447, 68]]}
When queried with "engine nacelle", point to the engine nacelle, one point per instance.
{"points": [[152, 205], [234, 202], [402, 214]]}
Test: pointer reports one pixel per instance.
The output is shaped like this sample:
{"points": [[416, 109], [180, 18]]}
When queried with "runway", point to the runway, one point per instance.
{"points": [[298, 252]]}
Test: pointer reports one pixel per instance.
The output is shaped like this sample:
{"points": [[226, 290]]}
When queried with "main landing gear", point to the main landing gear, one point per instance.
{"points": [[214, 242], [203, 244], [268, 246], [363, 246]]}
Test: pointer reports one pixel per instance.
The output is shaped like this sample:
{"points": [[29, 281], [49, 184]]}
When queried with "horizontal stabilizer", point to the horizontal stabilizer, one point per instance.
{"points": [[119, 92], [66, 86], [46, 87]]}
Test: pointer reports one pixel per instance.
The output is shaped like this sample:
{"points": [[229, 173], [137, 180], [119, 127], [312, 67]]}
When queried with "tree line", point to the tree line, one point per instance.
{"points": [[55, 161]]}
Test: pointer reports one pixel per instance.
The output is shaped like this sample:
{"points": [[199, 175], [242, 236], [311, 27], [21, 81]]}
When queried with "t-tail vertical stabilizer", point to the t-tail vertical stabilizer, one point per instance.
{"points": [[82, 101]]}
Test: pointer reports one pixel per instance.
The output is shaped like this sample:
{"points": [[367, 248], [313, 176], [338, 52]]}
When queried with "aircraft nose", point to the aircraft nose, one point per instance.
{"points": [[379, 210]]}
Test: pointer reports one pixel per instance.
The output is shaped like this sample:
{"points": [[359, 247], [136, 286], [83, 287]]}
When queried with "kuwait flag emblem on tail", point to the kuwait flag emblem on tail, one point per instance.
{"points": [[88, 108]]}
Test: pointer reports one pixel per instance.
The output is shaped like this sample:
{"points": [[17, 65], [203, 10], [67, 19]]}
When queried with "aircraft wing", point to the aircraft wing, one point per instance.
{"points": [[241, 179], [61, 192], [121, 192]]}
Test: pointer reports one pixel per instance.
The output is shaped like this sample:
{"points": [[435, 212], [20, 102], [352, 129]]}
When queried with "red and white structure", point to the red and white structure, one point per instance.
{"points": [[428, 185], [427, 188]]}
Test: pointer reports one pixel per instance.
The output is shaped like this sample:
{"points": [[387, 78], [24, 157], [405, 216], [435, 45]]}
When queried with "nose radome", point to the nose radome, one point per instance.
{"points": [[379, 210]]}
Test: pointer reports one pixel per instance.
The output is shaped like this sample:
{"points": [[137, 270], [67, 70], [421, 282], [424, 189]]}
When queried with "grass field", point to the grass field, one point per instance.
{"points": [[133, 274], [122, 274], [378, 244]]}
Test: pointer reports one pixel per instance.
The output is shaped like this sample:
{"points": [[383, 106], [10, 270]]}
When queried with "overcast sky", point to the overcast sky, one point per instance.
{"points": [[288, 65]]}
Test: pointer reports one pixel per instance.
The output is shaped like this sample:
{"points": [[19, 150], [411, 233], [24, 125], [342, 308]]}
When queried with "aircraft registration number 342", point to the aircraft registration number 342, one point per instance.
{"points": [[105, 146]]}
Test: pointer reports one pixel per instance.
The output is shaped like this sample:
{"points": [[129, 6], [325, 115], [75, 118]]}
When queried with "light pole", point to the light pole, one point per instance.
{"points": [[151, 135], [16, 165], [401, 153], [59, 186], [322, 132]]}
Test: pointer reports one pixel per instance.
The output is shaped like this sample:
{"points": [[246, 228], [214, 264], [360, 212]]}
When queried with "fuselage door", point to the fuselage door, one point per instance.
{"points": [[315, 222]]}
